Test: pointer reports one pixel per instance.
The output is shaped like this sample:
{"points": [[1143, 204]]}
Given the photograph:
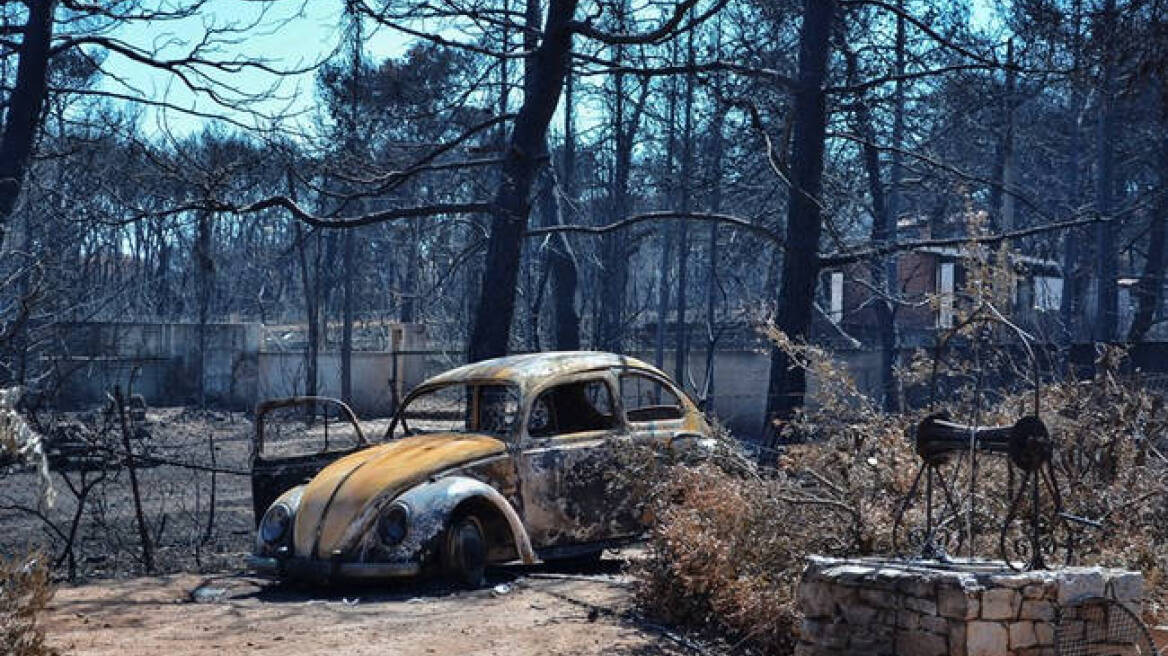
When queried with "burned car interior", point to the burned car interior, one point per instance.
{"points": [[572, 408]]}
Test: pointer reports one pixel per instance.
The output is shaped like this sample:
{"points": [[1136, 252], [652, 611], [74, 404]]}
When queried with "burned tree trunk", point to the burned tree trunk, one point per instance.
{"points": [[1070, 305], [205, 272], [1149, 291], [25, 104], [667, 237], [681, 354], [885, 211], [717, 151], [561, 259], [1106, 255], [349, 273], [524, 155], [614, 247], [787, 383]]}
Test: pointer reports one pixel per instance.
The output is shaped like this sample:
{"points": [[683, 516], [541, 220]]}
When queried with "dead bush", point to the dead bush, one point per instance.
{"points": [[729, 540], [25, 591]]}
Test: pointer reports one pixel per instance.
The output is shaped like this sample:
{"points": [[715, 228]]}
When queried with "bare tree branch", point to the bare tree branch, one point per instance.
{"points": [[838, 259], [664, 31], [739, 222]]}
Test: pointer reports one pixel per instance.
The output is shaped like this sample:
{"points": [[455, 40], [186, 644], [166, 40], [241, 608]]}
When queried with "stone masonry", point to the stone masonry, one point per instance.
{"points": [[922, 608]]}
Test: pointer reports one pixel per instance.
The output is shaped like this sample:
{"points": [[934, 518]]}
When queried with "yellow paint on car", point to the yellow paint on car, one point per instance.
{"points": [[338, 494]]}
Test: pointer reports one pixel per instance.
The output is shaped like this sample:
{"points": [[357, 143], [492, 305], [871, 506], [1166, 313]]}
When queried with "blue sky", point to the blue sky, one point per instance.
{"points": [[291, 35]]}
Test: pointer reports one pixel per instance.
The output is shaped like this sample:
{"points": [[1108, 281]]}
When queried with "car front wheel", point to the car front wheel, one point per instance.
{"points": [[465, 553]]}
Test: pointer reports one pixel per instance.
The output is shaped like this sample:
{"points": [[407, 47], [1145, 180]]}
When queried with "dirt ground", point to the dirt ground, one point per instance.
{"points": [[523, 611]]}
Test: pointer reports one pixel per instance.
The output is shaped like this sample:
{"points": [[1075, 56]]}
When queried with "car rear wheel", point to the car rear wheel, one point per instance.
{"points": [[465, 554]]}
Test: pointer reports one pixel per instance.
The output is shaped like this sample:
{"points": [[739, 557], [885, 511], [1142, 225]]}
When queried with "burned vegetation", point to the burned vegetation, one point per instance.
{"points": [[379, 289]]}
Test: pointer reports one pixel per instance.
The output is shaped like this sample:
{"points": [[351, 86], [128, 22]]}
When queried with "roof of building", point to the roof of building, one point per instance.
{"points": [[533, 367]]}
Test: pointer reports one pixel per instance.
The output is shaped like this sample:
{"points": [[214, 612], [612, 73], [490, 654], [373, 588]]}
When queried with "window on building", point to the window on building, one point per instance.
{"points": [[1048, 293], [836, 312], [946, 277]]}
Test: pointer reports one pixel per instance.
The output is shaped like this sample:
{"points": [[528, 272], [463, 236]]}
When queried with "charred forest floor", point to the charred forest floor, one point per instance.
{"points": [[199, 601], [175, 483], [523, 611]]}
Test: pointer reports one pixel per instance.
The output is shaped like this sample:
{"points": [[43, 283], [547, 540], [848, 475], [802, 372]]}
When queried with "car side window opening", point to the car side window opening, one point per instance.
{"points": [[648, 399], [572, 408], [478, 408]]}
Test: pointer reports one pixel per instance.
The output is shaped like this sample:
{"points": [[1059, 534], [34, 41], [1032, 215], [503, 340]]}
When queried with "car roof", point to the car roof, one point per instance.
{"points": [[528, 369]]}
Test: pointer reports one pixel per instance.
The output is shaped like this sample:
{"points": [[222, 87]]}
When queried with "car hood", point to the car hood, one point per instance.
{"points": [[340, 494]]}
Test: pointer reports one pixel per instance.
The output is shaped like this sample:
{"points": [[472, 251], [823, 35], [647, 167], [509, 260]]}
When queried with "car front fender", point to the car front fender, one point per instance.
{"points": [[431, 505]]}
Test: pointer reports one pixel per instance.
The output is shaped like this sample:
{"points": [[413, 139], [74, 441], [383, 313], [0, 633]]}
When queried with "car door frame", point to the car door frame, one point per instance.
{"points": [[664, 431], [540, 463], [271, 477]]}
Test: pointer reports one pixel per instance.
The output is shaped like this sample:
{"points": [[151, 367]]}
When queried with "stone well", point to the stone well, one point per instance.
{"points": [[924, 608]]}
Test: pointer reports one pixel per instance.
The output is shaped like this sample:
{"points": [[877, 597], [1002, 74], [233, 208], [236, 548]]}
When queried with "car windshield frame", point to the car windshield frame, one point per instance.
{"points": [[476, 387]]}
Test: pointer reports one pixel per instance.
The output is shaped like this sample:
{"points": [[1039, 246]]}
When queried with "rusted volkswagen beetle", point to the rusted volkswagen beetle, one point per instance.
{"points": [[495, 461]]}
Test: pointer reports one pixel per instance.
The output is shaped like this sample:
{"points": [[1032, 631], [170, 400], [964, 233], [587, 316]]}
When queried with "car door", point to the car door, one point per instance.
{"points": [[565, 456], [294, 439]]}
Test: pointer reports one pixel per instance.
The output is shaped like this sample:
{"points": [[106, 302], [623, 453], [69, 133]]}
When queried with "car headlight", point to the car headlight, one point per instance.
{"points": [[275, 523], [394, 524]]}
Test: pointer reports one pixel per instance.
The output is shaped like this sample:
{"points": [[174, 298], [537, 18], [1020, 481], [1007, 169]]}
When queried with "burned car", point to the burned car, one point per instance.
{"points": [[500, 460]]}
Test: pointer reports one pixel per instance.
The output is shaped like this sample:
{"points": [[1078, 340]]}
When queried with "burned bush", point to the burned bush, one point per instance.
{"points": [[729, 543]]}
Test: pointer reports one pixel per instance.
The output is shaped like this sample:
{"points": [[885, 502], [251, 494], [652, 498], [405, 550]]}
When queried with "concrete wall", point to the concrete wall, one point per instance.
{"points": [[160, 360], [238, 373], [283, 374]]}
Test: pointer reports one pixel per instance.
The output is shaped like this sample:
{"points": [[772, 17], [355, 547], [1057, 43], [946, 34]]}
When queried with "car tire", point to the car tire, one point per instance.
{"points": [[465, 554]]}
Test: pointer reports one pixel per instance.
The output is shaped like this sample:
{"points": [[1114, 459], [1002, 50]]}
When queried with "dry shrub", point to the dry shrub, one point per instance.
{"points": [[20, 443], [25, 591], [714, 562], [730, 539], [25, 588]]}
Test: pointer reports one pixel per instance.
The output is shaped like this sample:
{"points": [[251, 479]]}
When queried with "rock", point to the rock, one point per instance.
{"points": [[1079, 583], [1036, 590], [986, 639], [919, 643], [957, 638], [1044, 633], [815, 599], [917, 586], [1022, 635], [906, 619], [1039, 611], [922, 606], [956, 603], [934, 624], [1128, 586], [1000, 604], [878, 598], [203, 595], [858, 614], [824, 634]]}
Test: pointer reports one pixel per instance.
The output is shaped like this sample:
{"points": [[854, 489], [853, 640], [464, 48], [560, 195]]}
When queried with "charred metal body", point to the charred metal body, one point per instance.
{"points": [[506, 459], [1027, 446]]}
